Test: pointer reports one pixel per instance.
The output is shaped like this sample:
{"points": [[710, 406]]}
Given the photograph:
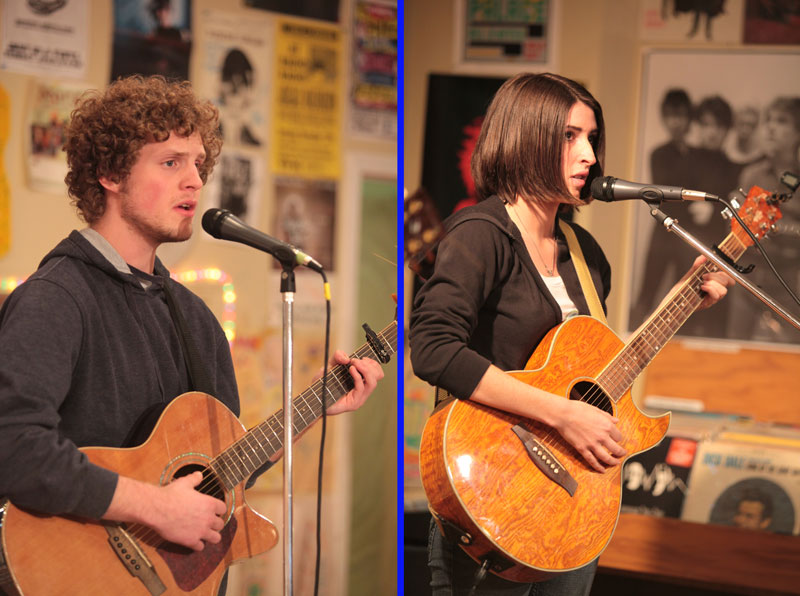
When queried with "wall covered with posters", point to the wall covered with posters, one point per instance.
{"points": [[298, 94]]}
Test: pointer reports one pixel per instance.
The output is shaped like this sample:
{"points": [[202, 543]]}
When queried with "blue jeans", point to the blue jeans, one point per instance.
{"points": [[453, 573]]}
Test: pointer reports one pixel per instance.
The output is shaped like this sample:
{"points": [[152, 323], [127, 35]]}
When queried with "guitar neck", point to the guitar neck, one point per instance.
{"points": [[662, 325], [261, 443]]}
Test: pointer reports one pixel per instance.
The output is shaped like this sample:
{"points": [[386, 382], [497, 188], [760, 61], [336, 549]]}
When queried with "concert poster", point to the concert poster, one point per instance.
{"points": [[48, 38], [236, 74], [517, 35], [702, 129], [304, 216], [236, 185], [307, 94], [325, 10], [655, 482], [152, 37], [48, 115], [691, 22], [373, 92], [5, 194], [451, 131], [770, 22]]}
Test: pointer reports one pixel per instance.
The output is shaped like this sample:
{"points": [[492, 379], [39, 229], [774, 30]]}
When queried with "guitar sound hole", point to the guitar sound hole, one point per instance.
{"points": [[592, 394], [210, 485]]}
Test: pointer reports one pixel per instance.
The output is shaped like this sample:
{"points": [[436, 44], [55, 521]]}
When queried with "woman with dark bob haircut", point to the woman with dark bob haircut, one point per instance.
{"points": [[502, 278]]}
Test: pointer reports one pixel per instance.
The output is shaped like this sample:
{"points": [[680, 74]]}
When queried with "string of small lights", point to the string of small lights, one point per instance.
{"points": [[211, 274]]}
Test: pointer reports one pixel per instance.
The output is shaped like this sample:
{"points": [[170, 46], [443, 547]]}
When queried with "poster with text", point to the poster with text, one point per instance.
{"points": [[46, 38], [494, 32], [374, 92], [307, 98]]}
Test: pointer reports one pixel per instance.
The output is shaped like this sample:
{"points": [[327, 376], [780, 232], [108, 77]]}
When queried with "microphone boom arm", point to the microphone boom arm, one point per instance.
{"points": [[671, 225]]}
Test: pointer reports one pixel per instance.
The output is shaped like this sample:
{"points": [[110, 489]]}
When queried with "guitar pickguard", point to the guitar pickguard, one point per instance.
{"points": [[191, 568]]}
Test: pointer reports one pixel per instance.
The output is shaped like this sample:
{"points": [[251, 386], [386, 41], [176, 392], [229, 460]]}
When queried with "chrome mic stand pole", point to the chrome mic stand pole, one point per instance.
{"points": [[672, 226], [288, 290]]}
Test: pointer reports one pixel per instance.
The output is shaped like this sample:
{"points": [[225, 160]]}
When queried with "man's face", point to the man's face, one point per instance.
{"points": [[159, 197], [746, 123], [781, 133], [712, 133], [749, 515], [676, 121]]}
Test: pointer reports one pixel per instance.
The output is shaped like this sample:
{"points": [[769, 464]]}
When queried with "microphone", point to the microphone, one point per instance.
{"points": [[223, 224], [612, 189]]}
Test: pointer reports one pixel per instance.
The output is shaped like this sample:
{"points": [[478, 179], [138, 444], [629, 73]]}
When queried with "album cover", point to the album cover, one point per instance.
{"points": [[746, 484], [655, 482]]}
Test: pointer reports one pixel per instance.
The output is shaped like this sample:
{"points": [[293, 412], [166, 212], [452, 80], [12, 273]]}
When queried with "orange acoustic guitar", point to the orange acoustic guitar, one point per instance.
{"points": [[69, 556], [510, 490]]}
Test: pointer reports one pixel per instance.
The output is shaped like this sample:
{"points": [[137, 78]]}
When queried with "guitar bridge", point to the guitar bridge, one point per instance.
{"points": [[134, 559], [545, 460]]}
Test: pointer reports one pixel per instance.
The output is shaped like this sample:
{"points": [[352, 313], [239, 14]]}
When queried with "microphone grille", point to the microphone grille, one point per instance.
{"points": [[212, 221], [600, 191]]}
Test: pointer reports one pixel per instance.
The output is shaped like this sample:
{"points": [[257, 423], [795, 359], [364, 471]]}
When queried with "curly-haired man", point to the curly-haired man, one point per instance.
{"points": [[88, 346]]}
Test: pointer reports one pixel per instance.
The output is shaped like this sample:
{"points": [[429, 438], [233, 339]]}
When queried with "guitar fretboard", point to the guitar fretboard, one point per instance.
{"points": [[263, 441], [662, 325]]}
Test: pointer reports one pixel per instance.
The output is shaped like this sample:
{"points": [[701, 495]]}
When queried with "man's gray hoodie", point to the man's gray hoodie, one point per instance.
{"points": [[85, 352]]}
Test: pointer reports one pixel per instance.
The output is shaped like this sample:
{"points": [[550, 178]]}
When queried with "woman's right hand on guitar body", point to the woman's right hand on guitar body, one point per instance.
{"points": [[590, 430]]}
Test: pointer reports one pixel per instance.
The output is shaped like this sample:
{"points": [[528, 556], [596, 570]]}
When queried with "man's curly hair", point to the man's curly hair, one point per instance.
{"points": [[108, 128]]}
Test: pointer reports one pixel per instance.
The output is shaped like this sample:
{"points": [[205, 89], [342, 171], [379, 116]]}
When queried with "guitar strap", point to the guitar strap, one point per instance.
{"points": [[198, 377], [589, 291]]}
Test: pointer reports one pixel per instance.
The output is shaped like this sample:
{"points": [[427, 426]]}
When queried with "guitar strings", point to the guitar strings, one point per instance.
{"points": [[685, 301], [339, 373]]}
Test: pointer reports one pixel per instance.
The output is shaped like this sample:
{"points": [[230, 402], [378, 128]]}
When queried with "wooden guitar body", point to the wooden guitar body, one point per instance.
{"points": [[481, 477], [56, 555]]}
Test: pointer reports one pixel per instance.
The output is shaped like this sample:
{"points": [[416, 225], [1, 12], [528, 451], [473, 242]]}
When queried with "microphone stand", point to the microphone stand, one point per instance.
{"points": [[287, 290], [672, 226]]}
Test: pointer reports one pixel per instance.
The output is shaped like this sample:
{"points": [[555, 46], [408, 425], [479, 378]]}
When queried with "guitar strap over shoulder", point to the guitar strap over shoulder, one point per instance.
{"points": [[589, 290], [198, 377]]}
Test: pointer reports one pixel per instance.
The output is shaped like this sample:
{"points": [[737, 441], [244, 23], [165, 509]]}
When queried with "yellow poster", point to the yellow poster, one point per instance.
{"points": [[5, 202], [307, 100]]}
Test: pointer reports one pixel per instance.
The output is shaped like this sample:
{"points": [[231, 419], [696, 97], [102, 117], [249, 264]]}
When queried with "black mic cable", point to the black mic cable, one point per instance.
{"points": [[323, 433]]}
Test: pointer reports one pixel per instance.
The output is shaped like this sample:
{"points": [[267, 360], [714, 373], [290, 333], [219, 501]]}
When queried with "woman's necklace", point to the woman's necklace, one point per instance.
{"points": [[551, 272]]}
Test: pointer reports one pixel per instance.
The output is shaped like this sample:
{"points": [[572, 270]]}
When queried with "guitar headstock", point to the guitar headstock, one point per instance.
{"points": [[422, 230], [760, 211]]}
